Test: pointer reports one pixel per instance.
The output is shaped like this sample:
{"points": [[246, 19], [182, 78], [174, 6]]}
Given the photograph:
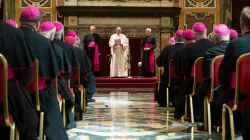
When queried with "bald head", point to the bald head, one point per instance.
{"points": [[92, 29], [245, 20], [148, 31], [118, 30]]}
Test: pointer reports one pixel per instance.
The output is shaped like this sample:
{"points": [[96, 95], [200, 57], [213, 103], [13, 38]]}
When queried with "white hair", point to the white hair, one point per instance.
{"points": [[222, 38], [47, 33], [148, 29], [58, 34], [118, 28], [92, 27]]}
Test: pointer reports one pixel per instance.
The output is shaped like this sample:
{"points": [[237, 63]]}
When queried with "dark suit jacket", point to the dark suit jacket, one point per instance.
{"points": [[195, 51], [235, 49], [219, 49]]}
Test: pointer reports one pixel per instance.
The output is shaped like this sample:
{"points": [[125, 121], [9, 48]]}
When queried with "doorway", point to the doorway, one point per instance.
{"points": [[135, 50]]}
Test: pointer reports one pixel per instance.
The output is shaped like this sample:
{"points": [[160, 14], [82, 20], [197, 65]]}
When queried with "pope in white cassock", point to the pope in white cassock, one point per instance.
{"points": [[119, 50]]}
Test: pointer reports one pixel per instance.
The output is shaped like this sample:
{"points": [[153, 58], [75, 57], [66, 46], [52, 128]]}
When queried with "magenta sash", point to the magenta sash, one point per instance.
{"points": [[192, 72], [41, 83], [96, 55], [151, 58], [10, 73]]}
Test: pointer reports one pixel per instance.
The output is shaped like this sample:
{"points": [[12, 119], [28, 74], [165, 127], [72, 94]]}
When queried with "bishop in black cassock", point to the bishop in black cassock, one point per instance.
{"points": [[14, 48], [91, 42], [148, 56], [168, 54], [222, 34], [192, 52], [42, 49]]}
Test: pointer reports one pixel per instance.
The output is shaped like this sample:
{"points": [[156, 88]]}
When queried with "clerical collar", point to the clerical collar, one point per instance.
{"points": [[29, 27], [179, 42], [58, 38], [202, 38], [221, 42]]}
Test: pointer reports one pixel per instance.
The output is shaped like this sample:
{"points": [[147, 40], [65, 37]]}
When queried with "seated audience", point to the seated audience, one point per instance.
{"points": [[42, 49], [221, 34], [235, 48], [167, 55], [15, 50], [193, 52], [48, 29]]}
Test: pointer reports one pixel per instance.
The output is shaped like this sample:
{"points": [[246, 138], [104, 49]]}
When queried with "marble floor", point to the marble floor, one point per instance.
{"points": [[125, 115]]}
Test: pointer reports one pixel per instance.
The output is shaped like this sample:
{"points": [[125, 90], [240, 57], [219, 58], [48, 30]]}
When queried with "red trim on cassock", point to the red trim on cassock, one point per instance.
{"points": [[96, 55], [151, 58]]}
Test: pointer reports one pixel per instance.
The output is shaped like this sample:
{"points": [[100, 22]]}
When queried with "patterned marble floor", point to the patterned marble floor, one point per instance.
{"points": [[122, 115]]}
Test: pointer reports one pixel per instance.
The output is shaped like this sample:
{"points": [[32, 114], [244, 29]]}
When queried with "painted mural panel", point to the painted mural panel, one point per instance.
{"points": [[207, 18], [226, 12], [38, 3], [200, 3]]}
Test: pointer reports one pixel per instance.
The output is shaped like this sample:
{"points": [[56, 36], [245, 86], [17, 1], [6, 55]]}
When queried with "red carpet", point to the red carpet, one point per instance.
{"points": [[134, 82]]}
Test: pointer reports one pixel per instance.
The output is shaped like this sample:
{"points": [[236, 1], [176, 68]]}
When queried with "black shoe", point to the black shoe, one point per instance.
{"points": [[91, 100]]}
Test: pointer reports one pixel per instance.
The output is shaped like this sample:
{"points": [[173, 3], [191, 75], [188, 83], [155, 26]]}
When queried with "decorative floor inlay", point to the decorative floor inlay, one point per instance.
{"points": [[132, 116]]}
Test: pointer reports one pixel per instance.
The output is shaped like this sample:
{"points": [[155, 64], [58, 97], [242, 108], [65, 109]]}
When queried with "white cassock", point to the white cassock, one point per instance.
{"points": [[119, 60]]}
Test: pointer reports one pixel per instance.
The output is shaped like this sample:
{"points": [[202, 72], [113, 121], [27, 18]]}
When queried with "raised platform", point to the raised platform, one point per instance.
{"points": [[134, 82]]}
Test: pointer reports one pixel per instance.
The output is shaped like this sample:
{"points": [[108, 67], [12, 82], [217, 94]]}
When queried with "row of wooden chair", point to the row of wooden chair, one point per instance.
{"points": [[6, 118], [240, 81]]}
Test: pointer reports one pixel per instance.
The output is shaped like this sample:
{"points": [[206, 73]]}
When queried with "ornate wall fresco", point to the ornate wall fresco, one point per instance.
{"points": [[38, 3], [200, 3], [226, 12], [207, 18], [48, 7], [207, 11]]}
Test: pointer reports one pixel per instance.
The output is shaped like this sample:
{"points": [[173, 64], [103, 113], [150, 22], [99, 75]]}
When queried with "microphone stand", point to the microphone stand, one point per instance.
{"points": [[129, 58]]}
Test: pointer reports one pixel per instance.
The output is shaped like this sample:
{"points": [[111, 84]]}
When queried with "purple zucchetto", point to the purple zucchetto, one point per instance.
{"points": [[47, 26], [59, 26], [221, 30], [199, 27], [71, 33], [70, 40], [188, 34], [31, 13], [179, 33], [12, 23], [172, 41], [233, 34]]}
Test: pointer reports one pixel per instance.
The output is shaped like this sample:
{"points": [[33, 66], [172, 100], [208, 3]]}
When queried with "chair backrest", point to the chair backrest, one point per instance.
{"points": [[171, 72], [32, 87], [4, 88], [241, 78], [197, 72], [243, 74], [215, 70]]}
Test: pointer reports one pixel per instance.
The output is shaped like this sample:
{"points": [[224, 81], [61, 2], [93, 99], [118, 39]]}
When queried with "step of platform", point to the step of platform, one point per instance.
{"points": [[125, 85], [137, 82]]}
